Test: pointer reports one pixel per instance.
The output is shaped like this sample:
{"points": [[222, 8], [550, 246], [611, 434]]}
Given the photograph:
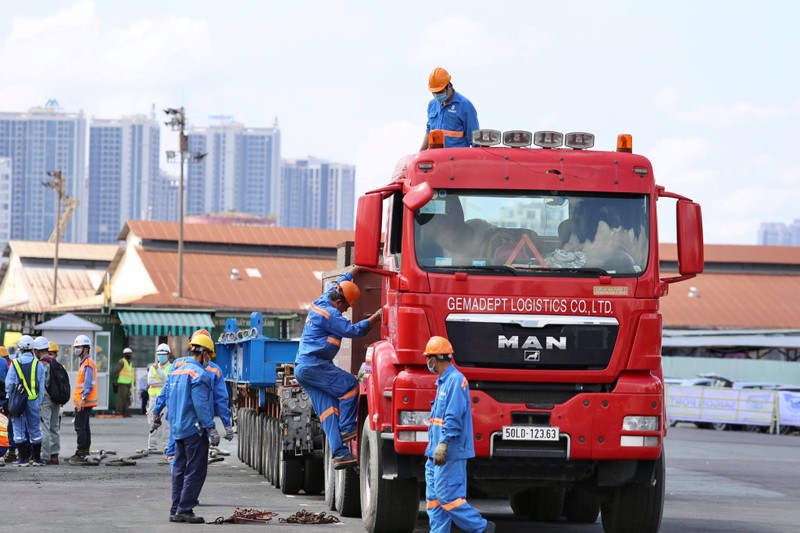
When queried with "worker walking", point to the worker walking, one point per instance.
{"points": [[333, 391], [122, 379], [449, 446], [156, 378], [191, 420], [84, 398], [25, 369], [449, 112]]}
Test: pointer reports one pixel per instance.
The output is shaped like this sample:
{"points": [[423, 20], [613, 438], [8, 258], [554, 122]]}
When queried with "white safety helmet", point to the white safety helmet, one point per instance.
{"points": [[82, 340], [25, 343], [163, 349], [41, 343], [127, 351]]}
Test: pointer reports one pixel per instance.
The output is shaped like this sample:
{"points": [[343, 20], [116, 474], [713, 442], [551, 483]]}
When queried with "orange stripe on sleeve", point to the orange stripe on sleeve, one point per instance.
{"points": [[455, 503], [320, 311], [349, 394], [334, 341], [432, 504]]}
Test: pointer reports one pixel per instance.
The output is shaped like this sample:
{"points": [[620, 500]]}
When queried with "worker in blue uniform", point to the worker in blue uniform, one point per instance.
{"points": [[450, 112], [449, 446], [190, 415], [333, 392], [25, 369], [219, 393]]}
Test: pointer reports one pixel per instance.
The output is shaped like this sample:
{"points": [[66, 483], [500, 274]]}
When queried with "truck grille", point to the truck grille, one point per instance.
{"points": [[534, 395]]}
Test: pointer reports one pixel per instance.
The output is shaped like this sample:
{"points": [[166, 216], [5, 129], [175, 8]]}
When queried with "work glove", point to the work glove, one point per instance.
{"points": [[214, 436], [228, 433], [440, 455], [156, 423]]}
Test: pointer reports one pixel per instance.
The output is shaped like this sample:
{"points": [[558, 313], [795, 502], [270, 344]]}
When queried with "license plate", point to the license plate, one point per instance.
{"points": [[530, 433]]}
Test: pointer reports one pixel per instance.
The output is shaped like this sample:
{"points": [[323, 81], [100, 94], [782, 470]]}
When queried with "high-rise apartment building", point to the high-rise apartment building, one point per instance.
{"points": [[5, 201], [779, 234], [41, 140], [165, 199], [315, 193], [233, 168], [123, 174]]}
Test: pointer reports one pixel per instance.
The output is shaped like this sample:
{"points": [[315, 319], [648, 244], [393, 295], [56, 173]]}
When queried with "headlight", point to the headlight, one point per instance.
{"points": [[640, 423], [414, 418]]}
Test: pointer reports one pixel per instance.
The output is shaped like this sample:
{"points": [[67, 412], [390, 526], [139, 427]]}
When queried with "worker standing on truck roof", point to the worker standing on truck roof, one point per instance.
{"points": [[333, 392], [449, 446], [450, 112]]}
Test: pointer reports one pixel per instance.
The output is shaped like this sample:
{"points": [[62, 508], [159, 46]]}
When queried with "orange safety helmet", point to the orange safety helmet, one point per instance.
{"points": [[438, 80], [438, 346], [350, 292], [3, 351]]}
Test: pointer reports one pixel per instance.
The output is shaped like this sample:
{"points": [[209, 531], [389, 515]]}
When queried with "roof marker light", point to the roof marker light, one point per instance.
{"points": [[548, 139], [486, 137], [579, 140], [517, 138], [625, 142]]}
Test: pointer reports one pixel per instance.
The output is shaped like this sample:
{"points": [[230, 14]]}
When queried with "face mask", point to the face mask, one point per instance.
{"points": [[441, 98], [162, 358], [431, 368], [77, 352]]}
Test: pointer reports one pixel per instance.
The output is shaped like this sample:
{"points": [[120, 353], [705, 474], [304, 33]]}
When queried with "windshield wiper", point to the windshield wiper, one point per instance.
{"points": [[571, 270], [488, 268]]}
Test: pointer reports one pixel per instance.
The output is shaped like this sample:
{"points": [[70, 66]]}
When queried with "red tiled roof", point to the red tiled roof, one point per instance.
{"points": [[285, 283], [738, 253], [734, 301], [223, 233]]}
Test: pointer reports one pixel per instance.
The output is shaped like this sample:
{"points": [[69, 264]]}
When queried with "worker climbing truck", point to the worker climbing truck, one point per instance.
{"points": [[540, 264], [279, 434]]}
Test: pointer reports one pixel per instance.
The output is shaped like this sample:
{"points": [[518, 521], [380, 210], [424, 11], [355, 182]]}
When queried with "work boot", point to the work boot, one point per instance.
{"points": [[347, 436], [54, 459], [36, 460], [489, 527], [23, 454], [11, 455], [188, 517], [343, 461]]}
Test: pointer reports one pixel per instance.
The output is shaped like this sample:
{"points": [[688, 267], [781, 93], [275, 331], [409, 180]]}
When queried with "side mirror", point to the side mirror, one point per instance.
{"points": [[368, 230], [418, 196], [690, 237]]}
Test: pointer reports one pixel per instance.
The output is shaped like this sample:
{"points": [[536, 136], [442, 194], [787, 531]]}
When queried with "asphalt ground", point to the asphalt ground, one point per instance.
{"points": [[716, 482]]}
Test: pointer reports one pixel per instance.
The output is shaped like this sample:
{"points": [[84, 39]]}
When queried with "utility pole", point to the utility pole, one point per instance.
{"points": [[57, 185], [178, 122]]}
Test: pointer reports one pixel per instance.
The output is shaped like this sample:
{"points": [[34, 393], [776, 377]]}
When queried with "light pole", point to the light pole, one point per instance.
{"points": [[178, 123], [57, 185]]}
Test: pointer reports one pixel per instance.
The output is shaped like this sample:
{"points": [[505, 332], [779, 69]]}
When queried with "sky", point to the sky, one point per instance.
{"points": [[709, 90]]}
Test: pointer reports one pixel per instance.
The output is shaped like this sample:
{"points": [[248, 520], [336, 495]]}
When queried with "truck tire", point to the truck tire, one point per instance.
{"points": [[348, 500], [636, 508], [291, 475], [268, 463], [277, 452], [245, 435], [581, 506], [259, 447], [389, 506], [251, 437], [313, 476], [330, 478], [240, 435]]}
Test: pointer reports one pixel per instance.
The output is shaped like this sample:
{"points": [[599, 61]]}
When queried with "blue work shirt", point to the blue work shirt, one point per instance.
{"points": [[3, 369], [88, 378], [457, 118], [219, 391], [189, 401], [451, 416], [324, 329], [12, 378]]}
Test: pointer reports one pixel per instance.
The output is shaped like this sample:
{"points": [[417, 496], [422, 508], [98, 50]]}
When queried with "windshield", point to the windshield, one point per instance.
{"points": [[533, 233]]}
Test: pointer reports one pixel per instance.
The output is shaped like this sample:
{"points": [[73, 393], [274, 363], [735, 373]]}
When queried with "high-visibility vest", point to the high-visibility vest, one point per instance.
{"points": [[126, 374], [3, 431], [30, 388], [155, 390], [91, 398]]}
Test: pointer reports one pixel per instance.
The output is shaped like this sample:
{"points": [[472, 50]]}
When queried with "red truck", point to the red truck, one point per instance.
{"points": [[540, 264]]}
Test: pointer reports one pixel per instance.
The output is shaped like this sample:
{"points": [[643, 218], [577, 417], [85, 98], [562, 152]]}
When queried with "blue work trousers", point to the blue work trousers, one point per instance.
{"points": [[26, 426], [189, 472], [334, 395], [446, 495]]}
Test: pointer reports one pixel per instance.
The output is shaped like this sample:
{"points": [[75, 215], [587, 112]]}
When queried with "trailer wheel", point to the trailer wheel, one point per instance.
{"points": [[330, 478], [581, 506], [259, 447], [276, 446], [636, 508], [313, 476], [348, 500], [268, 449], [386, 505], [245, 435], [240, 434], [251, 438], [291, 475]]}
